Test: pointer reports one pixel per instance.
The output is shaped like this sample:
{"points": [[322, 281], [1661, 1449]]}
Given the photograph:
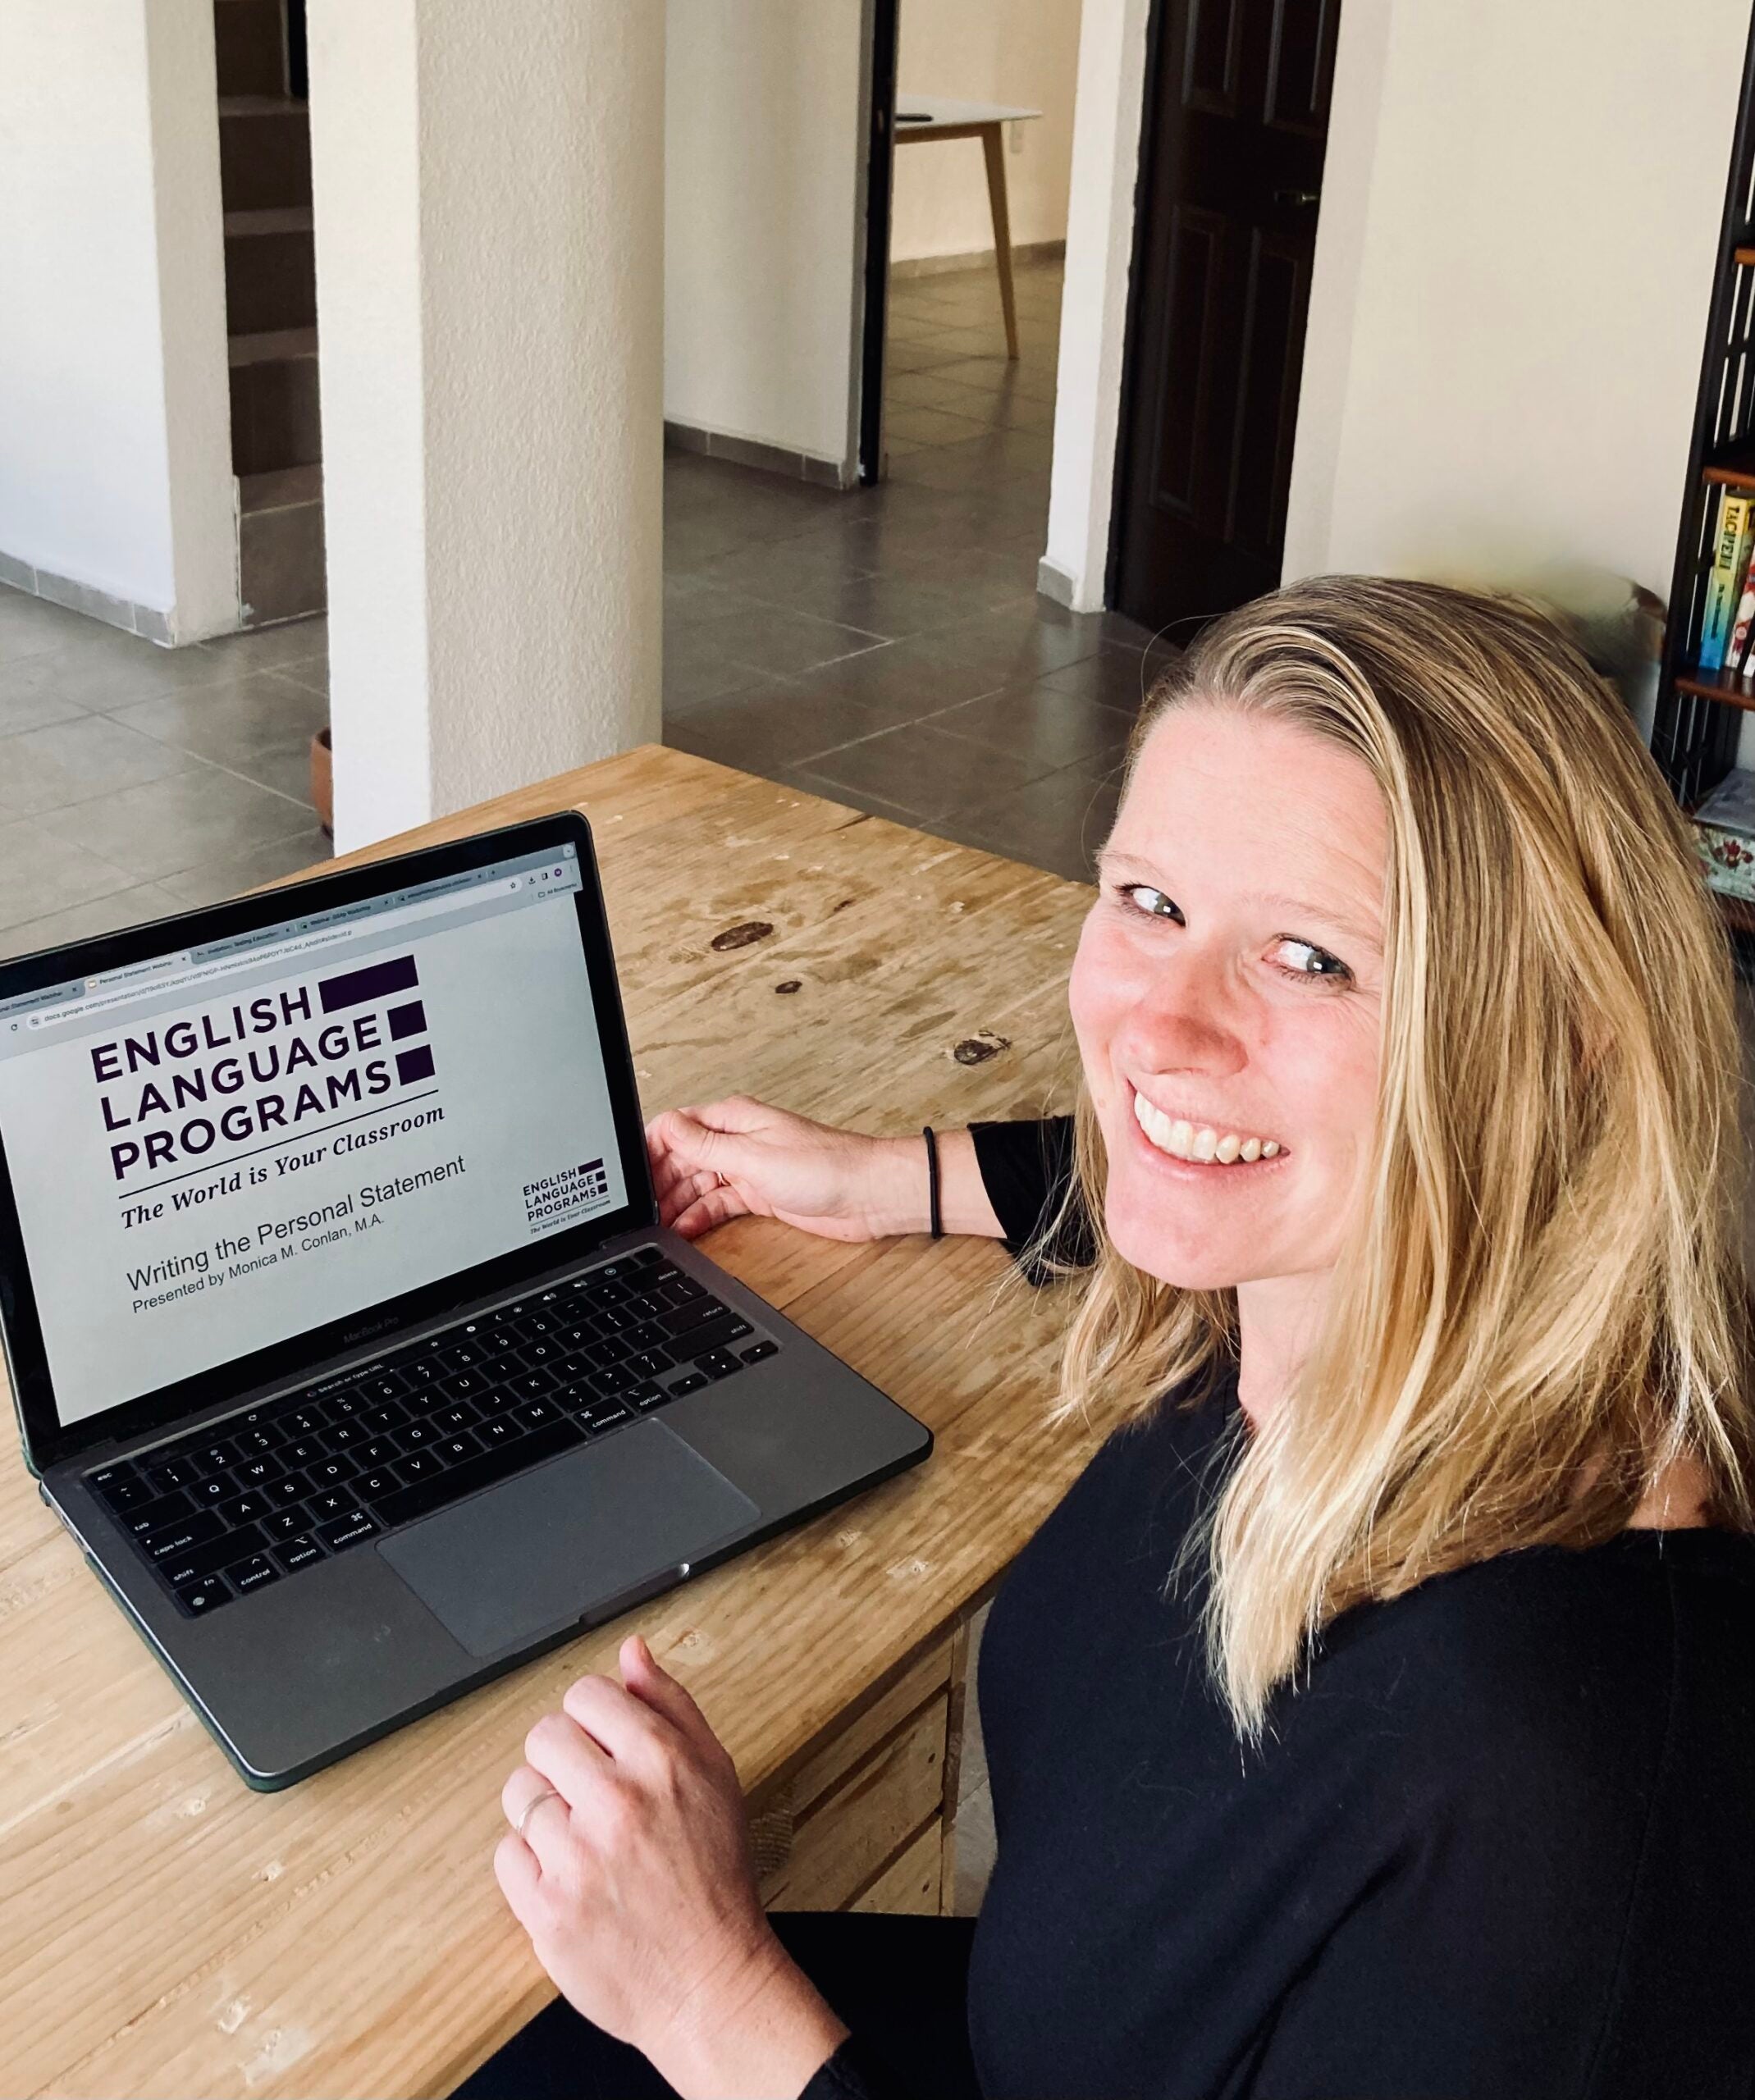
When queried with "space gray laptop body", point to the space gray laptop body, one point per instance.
{"points": [[342, 1333]]}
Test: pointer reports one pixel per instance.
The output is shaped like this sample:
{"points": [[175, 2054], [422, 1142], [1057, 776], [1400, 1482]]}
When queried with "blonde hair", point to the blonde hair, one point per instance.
{"points": [[1539, 1302]]}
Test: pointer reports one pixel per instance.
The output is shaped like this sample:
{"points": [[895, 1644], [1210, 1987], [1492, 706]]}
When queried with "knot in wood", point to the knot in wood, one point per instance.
{"points": [[742, 937], [977, 1049], [788, 984]]}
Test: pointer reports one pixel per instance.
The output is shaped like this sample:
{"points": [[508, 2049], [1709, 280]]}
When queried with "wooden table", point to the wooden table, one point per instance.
{"points": [[939, 117], [164, 1931]]}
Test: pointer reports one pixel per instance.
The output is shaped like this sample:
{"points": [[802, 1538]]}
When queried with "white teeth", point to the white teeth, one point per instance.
{"points": [[1201, 1142]]}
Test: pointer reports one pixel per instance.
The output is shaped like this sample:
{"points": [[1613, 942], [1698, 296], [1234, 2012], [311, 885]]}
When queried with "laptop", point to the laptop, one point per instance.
{"points": [[342, 1332]]}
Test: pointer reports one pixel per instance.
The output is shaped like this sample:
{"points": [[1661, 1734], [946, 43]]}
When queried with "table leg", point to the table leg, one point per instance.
{"points": [[994, 146]]}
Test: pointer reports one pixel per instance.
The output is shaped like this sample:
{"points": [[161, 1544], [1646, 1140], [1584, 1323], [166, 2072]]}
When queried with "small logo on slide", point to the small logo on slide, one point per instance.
{"points": [[567, 1191]]}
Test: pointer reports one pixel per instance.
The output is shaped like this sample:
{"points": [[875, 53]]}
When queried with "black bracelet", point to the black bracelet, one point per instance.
{"points": [[932, 1182]]}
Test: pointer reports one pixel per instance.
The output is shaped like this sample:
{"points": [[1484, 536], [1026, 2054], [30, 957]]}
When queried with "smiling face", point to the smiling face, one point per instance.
{"points": [[1227, 995]]}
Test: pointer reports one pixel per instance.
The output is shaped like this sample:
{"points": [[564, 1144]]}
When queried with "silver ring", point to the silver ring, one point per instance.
{"points": [[547, 1794]]}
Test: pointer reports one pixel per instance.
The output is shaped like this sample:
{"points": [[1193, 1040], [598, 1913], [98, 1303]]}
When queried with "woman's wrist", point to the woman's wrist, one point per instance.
{"points": [[766, 2031], [899, 1197]]}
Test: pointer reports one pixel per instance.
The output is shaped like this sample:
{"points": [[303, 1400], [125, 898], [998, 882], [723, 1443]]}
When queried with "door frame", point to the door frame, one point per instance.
{"points": [[884, 20]]}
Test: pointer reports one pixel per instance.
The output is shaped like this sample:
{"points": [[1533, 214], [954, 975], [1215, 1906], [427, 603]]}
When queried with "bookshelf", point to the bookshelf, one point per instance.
{"points": [[1699, 715]]}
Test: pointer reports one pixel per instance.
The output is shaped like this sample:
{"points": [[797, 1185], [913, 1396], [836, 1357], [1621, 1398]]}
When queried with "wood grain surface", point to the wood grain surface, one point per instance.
{"points": [[163, 1930]]}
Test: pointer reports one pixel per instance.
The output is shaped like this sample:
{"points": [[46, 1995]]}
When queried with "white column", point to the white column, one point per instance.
{"points": [[489, 197]]}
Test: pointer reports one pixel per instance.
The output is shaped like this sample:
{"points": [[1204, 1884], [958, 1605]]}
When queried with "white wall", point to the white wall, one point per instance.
{"points": [[115, 470], [1094, 298], [1022, 53], [489, 212], [1513, 263], [764, 171]]}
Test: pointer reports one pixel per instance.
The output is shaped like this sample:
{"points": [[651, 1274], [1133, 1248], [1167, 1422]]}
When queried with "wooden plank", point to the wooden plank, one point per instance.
{"points": [[843, 1843], [162, 1930], [854, 1741], [912, 1885]]}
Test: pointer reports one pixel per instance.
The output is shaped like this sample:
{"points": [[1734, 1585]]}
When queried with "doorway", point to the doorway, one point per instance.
{"points": [[1235, 130]]}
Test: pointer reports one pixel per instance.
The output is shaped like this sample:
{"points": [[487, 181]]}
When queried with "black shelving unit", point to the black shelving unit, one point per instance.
{"points": [[1699, 715]]}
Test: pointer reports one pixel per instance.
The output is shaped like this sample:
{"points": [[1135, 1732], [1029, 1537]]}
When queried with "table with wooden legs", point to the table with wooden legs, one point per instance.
{"points": [[938, 116], [165, 1931]]}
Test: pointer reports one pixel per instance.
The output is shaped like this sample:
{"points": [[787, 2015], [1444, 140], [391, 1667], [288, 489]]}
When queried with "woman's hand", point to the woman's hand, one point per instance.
{"points": [[739, 1159], [636, 1886]]}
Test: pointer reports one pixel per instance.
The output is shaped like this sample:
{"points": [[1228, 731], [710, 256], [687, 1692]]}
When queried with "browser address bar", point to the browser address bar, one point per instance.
{"points": [[386, 922]]}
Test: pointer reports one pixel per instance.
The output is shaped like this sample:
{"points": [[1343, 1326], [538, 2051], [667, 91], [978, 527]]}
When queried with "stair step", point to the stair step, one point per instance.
{"points": [[264, 152], [249, 47], [271, 346], [280, 491], [247, 226], [271, 271]]}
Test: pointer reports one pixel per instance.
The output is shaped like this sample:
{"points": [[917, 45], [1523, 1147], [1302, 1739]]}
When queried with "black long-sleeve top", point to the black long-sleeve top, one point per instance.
{"points": [[1498, 1845]]}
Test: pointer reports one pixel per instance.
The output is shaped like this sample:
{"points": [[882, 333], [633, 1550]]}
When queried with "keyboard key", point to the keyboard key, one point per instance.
{"points": [[454, 1449], [379, 1451], [385, 1416], [759, 1352], [449, 1420], [242, 1510], [533, 1384], [651, 1363], [718, 1363], [167, 1476], [307, 1421], [681, 1289], [332, 1503], [610, 1415], [284, 1523], [305, 1452], [419, 1465], [255, 1473], [346, 1531], [683, 1319], [691, 1383], [288, 1490], [645, 1398], [416, 1436], [210, 1555], [648, 1335], [425, 1371], [123, 1491], [251, 1442], [385, 1385], [491, 1466], [346, 1405], [461, 1355], [465, 1385], [297, 1552], [712, 1333], [199, 1599], [373, 1487], [502, 1428], [209, 1494], [498, 1341], [184, 1532], [330, 1472], [533, 1413], [255, 1573], [217, 1457], [162, 1509]]}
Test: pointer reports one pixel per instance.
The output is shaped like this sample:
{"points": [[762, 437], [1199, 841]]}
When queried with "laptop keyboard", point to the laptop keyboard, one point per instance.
{"points": [[255, 1498]]}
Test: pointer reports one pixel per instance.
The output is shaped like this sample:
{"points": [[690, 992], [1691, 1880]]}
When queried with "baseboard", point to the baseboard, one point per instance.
{"points": [[752, 452], [978, 258], [1053, 581], [149, 622]]}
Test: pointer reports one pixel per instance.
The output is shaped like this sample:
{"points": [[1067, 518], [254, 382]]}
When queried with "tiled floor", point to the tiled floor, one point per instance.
{"points": [[886, 647], [135, 781], [883, 647]]}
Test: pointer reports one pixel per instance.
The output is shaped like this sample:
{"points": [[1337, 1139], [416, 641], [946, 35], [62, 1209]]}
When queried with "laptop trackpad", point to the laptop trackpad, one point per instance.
{"points": [[572, 1536]]}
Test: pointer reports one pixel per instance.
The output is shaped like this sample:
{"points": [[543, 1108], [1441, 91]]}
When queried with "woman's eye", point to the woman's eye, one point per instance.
{"points": [[1310, 961], [1143, 897]]}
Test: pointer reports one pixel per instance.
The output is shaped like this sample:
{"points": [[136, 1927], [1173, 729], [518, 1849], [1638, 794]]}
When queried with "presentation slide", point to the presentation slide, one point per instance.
{"points": [[284, 1145]]}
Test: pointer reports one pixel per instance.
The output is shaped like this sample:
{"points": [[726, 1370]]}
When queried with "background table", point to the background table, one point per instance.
{"points": [[945, 118], [164, 1931]]}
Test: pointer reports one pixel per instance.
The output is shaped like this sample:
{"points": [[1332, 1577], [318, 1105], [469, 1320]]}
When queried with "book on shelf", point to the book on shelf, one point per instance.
{"points": [[1724, 824], [1730, 560], [1741, 650]]}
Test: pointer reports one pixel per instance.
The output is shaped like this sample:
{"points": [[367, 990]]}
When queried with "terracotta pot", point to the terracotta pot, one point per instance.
{"points": [[322, 782]]}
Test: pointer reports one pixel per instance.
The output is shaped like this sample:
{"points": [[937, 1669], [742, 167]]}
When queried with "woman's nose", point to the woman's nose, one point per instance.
{"points": [[1183, 1020]]}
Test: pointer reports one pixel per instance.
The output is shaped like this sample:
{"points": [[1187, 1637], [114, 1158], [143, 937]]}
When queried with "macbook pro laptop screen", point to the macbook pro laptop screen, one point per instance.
{"points": [[210, 1148]]}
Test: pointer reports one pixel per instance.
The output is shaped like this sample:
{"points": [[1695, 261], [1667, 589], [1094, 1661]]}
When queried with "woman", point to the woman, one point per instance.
{"points": [[1374, 1716]]}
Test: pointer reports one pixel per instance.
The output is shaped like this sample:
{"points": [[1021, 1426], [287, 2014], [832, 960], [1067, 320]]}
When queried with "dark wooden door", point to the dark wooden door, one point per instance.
{"points": [[1236, 124]]}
